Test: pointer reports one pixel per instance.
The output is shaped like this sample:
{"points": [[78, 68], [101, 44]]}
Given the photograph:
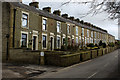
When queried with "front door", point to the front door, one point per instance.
{"points": [[51, 43], [34, 42]]}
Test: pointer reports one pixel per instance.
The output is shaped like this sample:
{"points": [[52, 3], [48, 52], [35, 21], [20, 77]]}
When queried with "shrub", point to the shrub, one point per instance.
{"points": [[63, 48], [90, 45], [100, 43], [104, 45], [111, 44]]}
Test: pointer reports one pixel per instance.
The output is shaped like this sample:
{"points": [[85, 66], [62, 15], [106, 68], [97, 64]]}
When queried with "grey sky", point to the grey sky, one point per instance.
{"points": [[76, 10]]}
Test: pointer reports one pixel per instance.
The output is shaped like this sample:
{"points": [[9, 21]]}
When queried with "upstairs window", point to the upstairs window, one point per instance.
{"points": [[82, 31], [87, 33], [95, 34], [45, 24], [76, 30], [68, 29], [24, 20], [58, 27], [91, 33]]}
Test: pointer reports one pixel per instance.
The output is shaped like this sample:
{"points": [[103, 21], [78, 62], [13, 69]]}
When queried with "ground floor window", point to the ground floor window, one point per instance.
{"points": [[76, 40], [63, 41], [24, 40], [44, 43], [58, 42]]}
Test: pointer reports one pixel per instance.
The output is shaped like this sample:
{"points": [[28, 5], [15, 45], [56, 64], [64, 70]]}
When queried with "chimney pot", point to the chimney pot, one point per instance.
{"points": [[34, 4], [65, 15], [71, 18], [77, 20], [48, 9], [57, 12]]}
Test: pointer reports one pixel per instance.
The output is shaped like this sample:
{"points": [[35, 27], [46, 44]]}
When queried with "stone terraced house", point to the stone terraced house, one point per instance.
{"points": [[28, 26]]}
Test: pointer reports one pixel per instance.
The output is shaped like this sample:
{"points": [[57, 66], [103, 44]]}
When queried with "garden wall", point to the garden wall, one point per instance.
{"points": [[24, 57]]}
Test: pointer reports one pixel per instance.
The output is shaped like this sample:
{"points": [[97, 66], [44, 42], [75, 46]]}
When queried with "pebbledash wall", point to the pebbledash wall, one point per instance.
{"points": [[28, 26]]}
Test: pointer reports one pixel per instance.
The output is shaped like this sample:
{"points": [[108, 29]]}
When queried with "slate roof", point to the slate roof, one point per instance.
{"points": [[53, 16]]}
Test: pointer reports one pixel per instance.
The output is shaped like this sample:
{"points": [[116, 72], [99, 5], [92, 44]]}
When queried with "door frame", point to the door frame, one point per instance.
{"points": [[36, 41], [52, 42]]}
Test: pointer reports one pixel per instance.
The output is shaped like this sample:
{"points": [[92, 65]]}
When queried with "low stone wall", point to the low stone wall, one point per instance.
{"points": [[86, 55], [24, 57], [94, 53], [100, 52]]}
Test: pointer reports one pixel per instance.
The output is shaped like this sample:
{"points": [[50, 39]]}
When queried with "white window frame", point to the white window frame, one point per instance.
{"points": [[23, 12], [44, 18], [24, 32], [43, 34], [35, 33], [82, 31], [59, 27], [87, 33], [57, 42], [68, 30], [76, 30], [77, 41]]}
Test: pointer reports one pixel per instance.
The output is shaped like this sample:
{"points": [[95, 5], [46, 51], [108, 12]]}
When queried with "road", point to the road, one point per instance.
{"points": [[105, 66]]}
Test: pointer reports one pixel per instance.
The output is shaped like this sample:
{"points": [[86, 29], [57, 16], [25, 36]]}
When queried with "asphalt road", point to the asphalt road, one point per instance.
{"points": [[105, 66]]}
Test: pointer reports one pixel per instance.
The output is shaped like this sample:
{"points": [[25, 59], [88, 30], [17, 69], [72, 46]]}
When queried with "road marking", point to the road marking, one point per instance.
{"points": [[93, 75], [105, 65]]}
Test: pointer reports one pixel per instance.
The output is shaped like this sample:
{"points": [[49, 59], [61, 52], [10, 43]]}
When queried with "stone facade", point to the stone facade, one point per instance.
{"points": [[46, 31]]}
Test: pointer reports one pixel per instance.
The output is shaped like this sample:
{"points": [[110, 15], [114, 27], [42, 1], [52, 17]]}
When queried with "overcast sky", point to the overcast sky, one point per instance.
{"points": [[76, 10]]}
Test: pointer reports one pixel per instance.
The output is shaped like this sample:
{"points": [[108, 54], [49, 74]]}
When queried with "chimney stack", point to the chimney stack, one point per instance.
{"points": [[71, 18], [57, 12], [65, 16], [48, 9], [77, 20], [34, 3]]}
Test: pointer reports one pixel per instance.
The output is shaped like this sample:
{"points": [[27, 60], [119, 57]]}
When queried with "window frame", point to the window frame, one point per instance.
{"points": [[26, 13], [23, 32], [44, 18], [42, 40], [59, 27]]}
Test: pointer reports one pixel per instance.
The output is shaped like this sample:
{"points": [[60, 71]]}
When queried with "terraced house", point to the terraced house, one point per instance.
{"points": [[26, 26]]}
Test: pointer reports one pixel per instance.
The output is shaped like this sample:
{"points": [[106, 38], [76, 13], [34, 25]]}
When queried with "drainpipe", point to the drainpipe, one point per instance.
{"points": [[14, 28], [7, 53]]}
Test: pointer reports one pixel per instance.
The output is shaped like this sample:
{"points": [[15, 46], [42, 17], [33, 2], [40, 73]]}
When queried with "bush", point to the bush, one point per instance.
{"points": [[90, 45], [100, 43], [104, 45], [111, 44], [63, 48]]}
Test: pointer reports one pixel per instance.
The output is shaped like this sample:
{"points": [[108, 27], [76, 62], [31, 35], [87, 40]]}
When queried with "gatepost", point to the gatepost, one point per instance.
{"points": [[42, 58]]}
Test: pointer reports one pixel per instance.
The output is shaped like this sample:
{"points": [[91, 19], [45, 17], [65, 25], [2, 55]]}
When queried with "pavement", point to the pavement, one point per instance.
{"points": [[106, 66]]}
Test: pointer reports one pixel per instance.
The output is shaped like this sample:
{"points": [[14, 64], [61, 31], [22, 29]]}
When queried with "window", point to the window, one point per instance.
{"points": [[58, 27], [76, 30], [87, 33], [80, 39], [24, 20], [44, 41], [58, 42], [82, 31], [68, 29], [91, 33], [44, 24], [87, 40], [95, 34], [77, 40], [63, 41], [24, 40]]}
